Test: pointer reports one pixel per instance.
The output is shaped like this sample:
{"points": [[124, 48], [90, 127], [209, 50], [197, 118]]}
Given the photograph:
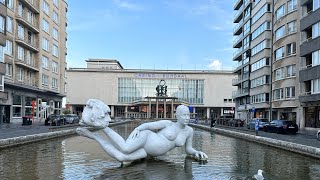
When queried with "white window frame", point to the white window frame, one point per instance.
{"points": [[45, 7], [45, 62], [55, 50], [20, 53], [8, 49], [45, 25], [45, 44], [9, 24]]}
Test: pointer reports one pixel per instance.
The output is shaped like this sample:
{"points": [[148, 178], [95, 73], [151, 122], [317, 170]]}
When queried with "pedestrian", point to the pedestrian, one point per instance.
{"points": [[257, 127], [213, 123]]}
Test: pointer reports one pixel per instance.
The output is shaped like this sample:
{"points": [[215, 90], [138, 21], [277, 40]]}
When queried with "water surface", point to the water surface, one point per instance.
{"points": [[77, 157]]}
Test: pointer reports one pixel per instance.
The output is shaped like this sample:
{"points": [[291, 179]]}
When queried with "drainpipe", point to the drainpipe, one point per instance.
{"points": [[271, 63]]}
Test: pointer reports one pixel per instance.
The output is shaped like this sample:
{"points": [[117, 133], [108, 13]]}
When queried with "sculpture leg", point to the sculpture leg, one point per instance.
{"points": [[130, 145], [118, 155]]}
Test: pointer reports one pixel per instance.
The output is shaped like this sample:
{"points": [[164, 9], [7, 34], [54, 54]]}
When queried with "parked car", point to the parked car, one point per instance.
{"points": [[236, 122], [54, 120], [71, 119], [262, 122], [281, 126]]}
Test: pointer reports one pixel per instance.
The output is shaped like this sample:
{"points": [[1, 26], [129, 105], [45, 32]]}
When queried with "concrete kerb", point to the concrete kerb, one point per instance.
{"points": [[293, 147], [10, 142]]}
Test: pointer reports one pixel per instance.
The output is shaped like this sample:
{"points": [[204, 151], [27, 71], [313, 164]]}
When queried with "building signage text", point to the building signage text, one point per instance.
{"points": [[164, 76]]}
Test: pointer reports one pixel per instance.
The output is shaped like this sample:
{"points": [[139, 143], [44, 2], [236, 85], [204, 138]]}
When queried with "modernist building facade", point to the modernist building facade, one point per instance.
{"points": [[278, 57], [34, 58], [309, 75], [132, 93]]}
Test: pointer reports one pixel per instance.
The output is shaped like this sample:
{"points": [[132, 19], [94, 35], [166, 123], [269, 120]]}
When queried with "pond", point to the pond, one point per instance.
{"points": [[76, 157]]}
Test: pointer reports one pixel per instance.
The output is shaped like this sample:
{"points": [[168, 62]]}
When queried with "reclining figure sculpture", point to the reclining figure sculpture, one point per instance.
{"points": [[148, 139]]}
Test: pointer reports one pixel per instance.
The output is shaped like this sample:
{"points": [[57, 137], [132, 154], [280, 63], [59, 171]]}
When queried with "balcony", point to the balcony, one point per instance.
{"points": [[308, 97], [309, 45], [31, 43], [309, 72], [240, 65], [237, 30], [239, 80], [237, 55], [237, 43], [237, 4], [240, 93], [28, 22], [26, 65], [238, 15], [33, 5]]}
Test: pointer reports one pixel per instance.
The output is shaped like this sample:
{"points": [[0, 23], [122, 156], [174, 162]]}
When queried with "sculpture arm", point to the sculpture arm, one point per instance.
{"points": [[190, 150], [149, 126], [154, 125]]}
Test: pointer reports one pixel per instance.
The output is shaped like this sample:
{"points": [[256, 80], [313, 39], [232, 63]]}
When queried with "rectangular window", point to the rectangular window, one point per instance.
{"points": [[45, 44], [315, 86], [2, 23], [45, 62], [29, 58], [316, 4], [45, 25], [315, 30], [56, 3], [292, 27], [20, 53], [290, 92], [9, 24], [54, 66], [45, 7], [278, 94], [263, 45], [280, 32], [10, 4], [55, 33], [291, 70], [20, 9], [9, 70], [246, 27], [20, 31], [1, 83], [261, 29], [279, 74], [279, 53], [55, 50], [30, 17], [55, 17], [45, 80], [292, 5], [280, 12], [260, 64], [316, 58], [54, 83], [8, 49], [1, 53], [20, 74], [291, 49], [260, 13]]}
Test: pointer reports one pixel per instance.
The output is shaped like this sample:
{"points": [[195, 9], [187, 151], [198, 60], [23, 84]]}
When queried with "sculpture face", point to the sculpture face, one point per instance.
{"points": [[183, 114], [96, 114]]}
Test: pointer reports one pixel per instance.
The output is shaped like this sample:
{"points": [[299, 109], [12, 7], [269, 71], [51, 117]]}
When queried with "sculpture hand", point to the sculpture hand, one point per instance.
{"points": [[135, 133], [85, 132], [201, 155]]}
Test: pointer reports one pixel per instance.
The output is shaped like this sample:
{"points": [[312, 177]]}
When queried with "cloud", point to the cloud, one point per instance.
{"points": [[215, 65], [127, 5]]}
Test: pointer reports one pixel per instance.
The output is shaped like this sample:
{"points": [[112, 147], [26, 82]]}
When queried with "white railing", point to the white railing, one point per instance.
{"points": [[237, 39], [237, 52]]}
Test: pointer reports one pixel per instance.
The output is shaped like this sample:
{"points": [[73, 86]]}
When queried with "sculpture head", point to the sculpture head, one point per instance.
{"points": [[96, 114], [183, 114]]}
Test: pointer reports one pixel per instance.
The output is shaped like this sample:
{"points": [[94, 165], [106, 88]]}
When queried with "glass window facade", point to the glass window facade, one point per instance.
{"points": [[133, 89]]}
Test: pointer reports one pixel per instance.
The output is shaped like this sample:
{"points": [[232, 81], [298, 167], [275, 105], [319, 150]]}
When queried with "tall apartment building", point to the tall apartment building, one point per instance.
{"points": [[267, 37], [309, 75], [35, 58]]}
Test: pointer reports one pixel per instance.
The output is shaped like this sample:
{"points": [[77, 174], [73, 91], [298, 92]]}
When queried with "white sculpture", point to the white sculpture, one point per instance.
{"points": [[153, 139]]}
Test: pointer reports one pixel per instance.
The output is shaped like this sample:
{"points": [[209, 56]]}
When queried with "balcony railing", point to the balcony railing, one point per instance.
{"points": [[238, 38], [32, 5], [237, 26], [239, 11], [29, 21], [240, 92], [237, 52]]}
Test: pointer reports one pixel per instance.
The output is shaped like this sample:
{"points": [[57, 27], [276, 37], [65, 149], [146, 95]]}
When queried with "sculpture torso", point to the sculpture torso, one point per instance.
{"points": [[166, 139]]}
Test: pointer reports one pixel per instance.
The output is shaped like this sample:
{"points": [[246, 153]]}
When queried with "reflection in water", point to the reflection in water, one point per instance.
{"points": [[81, 158]]}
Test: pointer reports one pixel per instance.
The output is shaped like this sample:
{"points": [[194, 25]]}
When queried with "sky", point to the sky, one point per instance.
{"points": [[152, 34]]}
